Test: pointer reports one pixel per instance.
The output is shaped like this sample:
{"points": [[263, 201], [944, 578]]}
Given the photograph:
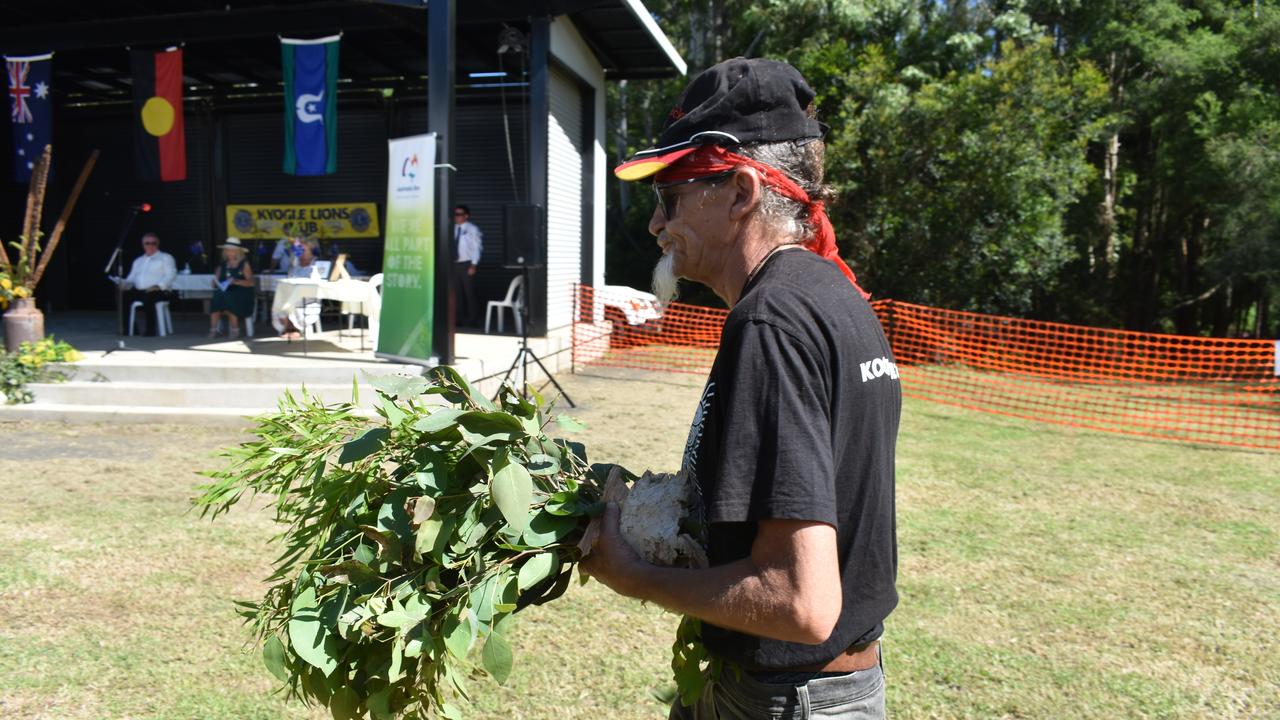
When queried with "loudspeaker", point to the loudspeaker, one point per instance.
{"points": [[522, 236]]}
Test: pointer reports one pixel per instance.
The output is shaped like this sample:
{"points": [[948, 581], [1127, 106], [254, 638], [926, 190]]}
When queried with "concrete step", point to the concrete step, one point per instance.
{"points": [[258, 374], [131, 414], [209, 395]]}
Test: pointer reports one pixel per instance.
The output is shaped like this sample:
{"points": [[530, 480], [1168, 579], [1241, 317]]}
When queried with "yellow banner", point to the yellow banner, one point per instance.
{"points": [[336, 220]]}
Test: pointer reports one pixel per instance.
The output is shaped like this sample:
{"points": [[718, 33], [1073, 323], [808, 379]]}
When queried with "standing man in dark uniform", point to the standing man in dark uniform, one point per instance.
{"points": [[468, 244], [792, 445]]}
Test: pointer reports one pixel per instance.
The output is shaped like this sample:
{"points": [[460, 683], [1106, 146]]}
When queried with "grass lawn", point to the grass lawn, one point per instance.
{"points": [[1045, 573]]}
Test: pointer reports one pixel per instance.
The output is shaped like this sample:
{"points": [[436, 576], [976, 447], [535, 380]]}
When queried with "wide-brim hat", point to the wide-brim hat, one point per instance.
{"points": [[234, 244], [742, 101]]}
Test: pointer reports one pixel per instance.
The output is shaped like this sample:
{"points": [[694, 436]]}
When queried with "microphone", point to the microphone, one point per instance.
{"points": [[142, 207]]}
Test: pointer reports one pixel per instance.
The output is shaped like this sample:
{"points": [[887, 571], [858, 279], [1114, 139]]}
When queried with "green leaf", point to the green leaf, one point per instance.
{"points": [[344, 704], [512, 489], [439, 420], [393, 516], [475, 441], [433, 474], [397, 619], [394, 414], [545, 529], [538, 568], [396, 671], [348, 571], [569, 424], [450, 375], [458, 635], [388, 543], [565, 502], [273, 658], [423, 508], [576, 449], [364, 446], [380, 704], [497, 658], [543, 464], [489, 423], [309, 637], [413, 648], [400, 387], [450, 711], [430, 541]]}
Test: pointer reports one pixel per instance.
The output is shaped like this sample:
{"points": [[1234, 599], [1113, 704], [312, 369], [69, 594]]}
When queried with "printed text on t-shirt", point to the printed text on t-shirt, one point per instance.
{"points": [[879, 367]]}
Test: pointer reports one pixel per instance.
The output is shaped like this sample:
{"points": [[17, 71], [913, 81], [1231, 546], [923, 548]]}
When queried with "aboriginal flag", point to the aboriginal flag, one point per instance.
{"points": [[310, 69], [159, 138]]}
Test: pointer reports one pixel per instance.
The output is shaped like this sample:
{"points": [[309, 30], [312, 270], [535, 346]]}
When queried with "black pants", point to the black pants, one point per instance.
{"points": [[464, 283], [149, 300]]}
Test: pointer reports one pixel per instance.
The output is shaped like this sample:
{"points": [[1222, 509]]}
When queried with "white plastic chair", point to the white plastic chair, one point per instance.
{"points": [[373, 307], [311, 317], [164, 321], [248, 321], [514, 300]]}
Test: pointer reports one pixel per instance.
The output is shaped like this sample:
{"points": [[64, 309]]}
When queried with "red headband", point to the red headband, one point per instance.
{"points": [[710, 159]]}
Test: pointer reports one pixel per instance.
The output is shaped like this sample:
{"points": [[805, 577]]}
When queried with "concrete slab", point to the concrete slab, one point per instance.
{"points": [[188, 378]]}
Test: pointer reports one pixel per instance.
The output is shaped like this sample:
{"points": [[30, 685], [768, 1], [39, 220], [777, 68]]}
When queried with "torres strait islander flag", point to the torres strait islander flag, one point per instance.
{"points": [[29, 110], [310, 69], [159, 136]]}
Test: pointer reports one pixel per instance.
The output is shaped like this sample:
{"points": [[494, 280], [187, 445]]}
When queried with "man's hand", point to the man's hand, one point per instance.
{"points": [[471, 270], [612, 560]]}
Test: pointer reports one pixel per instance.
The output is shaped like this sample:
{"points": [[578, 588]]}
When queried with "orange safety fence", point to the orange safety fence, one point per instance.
{"points": [[1218, 391]]}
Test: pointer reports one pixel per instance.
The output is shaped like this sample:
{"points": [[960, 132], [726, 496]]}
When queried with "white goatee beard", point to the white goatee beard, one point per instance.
{"points": [[665, 283]]}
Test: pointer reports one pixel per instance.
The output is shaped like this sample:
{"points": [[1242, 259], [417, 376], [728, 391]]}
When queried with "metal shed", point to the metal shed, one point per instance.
{"points": [[487, 75]]}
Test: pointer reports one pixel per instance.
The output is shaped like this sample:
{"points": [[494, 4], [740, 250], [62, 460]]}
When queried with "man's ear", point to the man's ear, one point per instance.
{"points": [[749, 191]]}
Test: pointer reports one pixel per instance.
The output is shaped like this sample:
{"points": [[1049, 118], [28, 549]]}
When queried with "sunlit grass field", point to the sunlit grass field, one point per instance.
{"points": [[1044, 573]]}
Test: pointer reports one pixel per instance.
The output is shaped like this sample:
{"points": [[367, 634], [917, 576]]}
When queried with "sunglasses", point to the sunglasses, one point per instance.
{"points": [[149, 242], [458, 213], [667, 199]]}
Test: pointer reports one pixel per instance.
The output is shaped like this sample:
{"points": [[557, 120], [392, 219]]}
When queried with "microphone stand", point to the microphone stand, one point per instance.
{"points": [[117, 257]]}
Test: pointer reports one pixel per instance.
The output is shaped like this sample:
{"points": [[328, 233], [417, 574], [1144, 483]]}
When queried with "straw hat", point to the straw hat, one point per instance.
{"points": [[234, 244]]}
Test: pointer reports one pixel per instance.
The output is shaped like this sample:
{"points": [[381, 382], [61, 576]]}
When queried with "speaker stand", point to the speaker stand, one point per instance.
{"points": [[525, 353]]}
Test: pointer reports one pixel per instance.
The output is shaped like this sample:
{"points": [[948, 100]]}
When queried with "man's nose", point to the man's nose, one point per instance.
{"points": [[657, 221]]}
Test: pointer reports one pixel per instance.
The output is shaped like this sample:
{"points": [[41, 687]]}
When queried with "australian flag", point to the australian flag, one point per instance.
{"points": [[30, 110]]}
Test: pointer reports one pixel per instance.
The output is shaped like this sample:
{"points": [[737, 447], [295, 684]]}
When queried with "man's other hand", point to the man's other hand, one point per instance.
{"points": [[611, 559]]}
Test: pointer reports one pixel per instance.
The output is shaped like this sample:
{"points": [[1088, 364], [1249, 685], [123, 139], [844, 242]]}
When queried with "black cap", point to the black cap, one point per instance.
{"points": [[742, 101]]}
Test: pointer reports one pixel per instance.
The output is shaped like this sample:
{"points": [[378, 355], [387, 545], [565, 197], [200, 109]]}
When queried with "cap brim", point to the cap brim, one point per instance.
{"points": [[639, 168]]}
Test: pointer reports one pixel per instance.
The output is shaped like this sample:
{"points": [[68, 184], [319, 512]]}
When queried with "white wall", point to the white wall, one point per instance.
{"points": [[568, 48]]}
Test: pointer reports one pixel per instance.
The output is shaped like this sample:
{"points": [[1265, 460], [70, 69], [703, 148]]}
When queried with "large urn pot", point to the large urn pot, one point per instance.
{"points": [[22, 323]]}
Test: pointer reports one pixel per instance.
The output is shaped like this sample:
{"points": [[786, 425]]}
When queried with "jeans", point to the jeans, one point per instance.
{"points": [[784, 696]]}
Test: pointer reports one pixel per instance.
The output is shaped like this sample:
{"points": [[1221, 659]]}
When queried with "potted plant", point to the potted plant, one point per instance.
{"points": [[19, 275]]}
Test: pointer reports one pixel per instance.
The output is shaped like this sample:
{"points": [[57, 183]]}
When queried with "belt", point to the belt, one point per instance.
{"points": [[858, 657]]}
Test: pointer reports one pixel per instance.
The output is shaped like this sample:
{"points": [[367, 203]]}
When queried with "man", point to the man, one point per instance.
{"points": [[468, 245], [792, 445], [149, 280]]}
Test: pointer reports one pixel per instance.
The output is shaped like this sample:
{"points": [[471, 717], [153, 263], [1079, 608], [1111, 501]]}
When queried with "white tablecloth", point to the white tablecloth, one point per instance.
{"points": [[357, 296], [194, 286]]}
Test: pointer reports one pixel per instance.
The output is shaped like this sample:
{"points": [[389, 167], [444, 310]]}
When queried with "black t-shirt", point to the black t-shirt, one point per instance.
{"points": [[798, 421]]}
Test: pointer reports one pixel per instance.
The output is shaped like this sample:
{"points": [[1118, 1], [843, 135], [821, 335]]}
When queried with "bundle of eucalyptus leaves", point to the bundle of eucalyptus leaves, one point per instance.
{"points": [[409, 538]]}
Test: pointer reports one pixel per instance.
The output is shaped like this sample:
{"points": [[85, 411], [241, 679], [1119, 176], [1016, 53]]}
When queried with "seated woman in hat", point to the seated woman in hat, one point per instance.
{"points": [[235, 301]]}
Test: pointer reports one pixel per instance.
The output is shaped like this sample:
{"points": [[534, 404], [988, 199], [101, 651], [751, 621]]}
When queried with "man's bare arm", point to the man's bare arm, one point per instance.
{"points": [[787, 589]]}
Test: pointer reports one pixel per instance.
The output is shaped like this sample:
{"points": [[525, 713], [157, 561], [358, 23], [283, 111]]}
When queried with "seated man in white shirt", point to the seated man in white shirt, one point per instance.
{"points": [[149, 280]]}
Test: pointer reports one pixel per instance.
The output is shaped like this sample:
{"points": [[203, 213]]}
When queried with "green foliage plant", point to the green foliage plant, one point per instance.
{"points": [[33, 364], [409, 539]]}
